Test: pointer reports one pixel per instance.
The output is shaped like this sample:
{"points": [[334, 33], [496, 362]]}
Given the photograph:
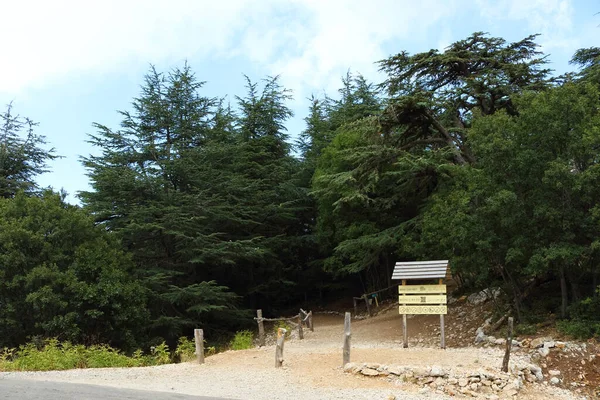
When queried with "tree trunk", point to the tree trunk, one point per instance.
{"points": [[563, 292]]}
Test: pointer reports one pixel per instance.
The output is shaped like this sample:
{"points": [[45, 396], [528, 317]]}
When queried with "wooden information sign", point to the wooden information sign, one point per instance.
{"points": [[422, 299]]}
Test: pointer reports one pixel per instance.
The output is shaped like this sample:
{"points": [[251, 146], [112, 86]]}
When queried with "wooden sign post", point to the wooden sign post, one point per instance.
{"points": [[422, 299]]}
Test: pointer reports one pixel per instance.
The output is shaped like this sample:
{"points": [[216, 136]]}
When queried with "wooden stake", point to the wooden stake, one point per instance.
{"points": [[509, 336], [310, 322], [261, 328], [279, 348], [442, 327], [347, 336], [442, 332], [300, 330], [404, 327], [355, 308], [199, 338], [368, 305]]}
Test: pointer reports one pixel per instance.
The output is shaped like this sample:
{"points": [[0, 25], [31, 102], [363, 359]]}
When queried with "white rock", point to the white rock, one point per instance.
{"points": [[550, 344], [554, 372], [424, 390], [436, 371], [396, 370], [369, 372], [491, 340], [555, 381], [544, 351], [477, 298], [462, 382], [480, 336], [537, 371], [539, 342], [500, 342], [351, 367]]}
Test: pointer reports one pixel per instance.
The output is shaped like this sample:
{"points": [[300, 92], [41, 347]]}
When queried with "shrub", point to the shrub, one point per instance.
{"points": [[579, 329], [525, 329], [54, 355], [186, 349], [242, 340]]}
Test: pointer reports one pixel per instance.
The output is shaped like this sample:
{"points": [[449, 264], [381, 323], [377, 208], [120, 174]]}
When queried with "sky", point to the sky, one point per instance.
{"points": [[67, 64]]}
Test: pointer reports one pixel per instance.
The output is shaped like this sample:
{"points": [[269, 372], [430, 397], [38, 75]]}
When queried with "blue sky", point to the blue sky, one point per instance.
{"points": [[67, 64]]}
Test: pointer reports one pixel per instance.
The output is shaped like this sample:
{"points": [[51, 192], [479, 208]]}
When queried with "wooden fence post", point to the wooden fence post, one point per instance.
{"points": [[261, 328], [442, 332], [509, 336], [310, 322], [279, 349], [347, 336], [368, 306], [199, 338], [355, 308], [300, 330], [404, 327], [442, 327]]}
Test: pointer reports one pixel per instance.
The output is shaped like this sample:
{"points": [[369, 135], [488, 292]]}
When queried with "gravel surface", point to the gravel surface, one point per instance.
{"points": [[312, 369]]}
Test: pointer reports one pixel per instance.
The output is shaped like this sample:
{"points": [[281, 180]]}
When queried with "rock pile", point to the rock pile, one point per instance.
{"points": [[436, 378]]}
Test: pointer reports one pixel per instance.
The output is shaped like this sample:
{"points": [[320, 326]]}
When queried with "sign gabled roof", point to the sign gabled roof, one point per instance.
{"points": [[420, 270]]}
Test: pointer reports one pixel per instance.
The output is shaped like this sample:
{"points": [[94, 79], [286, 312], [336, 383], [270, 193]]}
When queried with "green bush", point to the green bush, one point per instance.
{"points": [[54, 355], [242, 340], [579, 329], [525, 329], [186, 349]]}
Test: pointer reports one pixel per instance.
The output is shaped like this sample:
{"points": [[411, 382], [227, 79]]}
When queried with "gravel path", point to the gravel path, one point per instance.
{"points": [[312, 369]]}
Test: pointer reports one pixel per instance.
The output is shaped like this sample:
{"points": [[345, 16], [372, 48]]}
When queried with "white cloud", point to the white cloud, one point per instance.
{"points": [[553, 19], [310, 42], [45, 40]]}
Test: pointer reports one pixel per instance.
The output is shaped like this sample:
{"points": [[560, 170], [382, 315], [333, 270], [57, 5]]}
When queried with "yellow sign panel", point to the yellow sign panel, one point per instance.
{"points": [[423, 309], [424, 299], [418, 289]]}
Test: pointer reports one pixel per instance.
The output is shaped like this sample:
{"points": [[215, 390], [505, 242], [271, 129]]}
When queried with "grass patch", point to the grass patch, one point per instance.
{"points": [[242, 340]]}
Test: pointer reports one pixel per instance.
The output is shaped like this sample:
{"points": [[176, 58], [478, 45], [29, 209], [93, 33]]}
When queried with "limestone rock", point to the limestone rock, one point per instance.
{"points": [[554, 372], [500, 342], [544, 351], [369, 372], [462, 382], [352, 367], [436, 371], [396, 370], [539, 342], [537, 371], [372, 365], [480, 336], [555, 381]]}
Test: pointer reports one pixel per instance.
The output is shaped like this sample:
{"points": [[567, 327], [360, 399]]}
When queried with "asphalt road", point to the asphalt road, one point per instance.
{"points": [[17, 389]]}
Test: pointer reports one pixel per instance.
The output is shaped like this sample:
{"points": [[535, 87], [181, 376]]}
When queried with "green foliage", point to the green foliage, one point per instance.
{"points": [[242, 340], [578, 329], [525, 329], [186, 349], [60, 276], [55, 355], [22, 156]]}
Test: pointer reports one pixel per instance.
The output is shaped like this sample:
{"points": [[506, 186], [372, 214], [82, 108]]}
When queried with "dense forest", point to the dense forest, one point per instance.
{"points": [[203, 210]]}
